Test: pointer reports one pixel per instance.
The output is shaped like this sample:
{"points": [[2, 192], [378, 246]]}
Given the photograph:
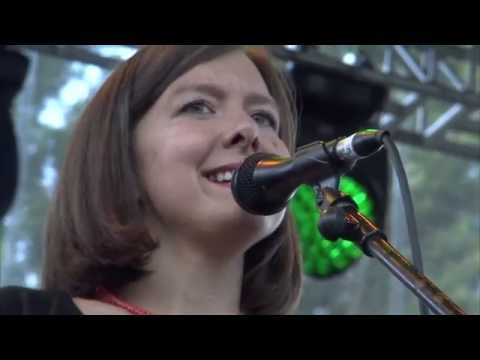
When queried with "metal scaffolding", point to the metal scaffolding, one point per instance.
{"points": [[435, 94]]}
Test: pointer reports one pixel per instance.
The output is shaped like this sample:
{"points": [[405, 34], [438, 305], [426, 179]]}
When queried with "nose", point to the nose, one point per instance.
{"points": [[243, 135]]}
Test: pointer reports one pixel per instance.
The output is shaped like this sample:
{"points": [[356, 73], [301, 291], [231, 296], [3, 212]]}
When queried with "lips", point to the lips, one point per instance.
{"points": [[230, 167], [223, 184], [210, 175]]}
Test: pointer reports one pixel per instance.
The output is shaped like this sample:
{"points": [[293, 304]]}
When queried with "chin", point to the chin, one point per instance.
{"points": [[237, 222]]}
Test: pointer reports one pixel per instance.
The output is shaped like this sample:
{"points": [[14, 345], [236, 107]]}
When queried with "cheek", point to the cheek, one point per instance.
{"points": [[278, 147], [187, 144], [169, 159], [167, 148]]}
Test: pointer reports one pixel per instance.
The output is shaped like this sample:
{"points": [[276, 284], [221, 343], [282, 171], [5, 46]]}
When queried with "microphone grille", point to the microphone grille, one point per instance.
{"points": [[244, 189]]}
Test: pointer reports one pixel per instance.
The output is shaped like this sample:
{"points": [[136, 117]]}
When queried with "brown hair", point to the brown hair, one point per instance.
{"points": [[96, 235]]}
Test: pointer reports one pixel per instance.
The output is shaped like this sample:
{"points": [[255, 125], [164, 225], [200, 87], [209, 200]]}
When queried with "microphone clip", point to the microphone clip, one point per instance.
{"points": [[341, 219]]}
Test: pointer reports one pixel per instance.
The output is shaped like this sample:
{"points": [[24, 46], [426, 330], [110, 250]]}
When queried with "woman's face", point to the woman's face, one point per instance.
{"points": [[201, 129]]}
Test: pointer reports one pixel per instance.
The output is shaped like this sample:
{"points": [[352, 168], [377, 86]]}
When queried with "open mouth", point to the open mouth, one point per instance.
{"points": [[223, 175], [221, 178], [220, 181]]}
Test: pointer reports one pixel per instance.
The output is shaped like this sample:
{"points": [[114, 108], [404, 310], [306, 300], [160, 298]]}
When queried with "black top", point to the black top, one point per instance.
{"points": [[22, 301]]}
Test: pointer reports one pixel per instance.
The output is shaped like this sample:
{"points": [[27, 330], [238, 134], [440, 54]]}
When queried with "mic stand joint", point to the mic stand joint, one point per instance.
{"points": [[341, 219]]}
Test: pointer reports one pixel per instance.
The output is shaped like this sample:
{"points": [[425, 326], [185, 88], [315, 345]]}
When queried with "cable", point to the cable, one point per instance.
{"points": [[409, 210]]}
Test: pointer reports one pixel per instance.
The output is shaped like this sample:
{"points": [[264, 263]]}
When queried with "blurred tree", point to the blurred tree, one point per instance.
{"points": [[446, 191], [43, 125]]}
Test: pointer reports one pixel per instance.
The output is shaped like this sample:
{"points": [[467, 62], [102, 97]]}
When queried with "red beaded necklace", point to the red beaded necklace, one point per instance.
{"points": [[105, 296]]}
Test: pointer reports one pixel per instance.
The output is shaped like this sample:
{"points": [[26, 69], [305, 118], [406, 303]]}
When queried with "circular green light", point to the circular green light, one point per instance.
{"points": [[323, 258]]}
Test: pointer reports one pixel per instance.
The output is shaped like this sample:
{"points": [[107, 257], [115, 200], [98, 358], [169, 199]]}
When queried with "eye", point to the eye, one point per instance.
{"points": [[264, 118], [200, 107]]}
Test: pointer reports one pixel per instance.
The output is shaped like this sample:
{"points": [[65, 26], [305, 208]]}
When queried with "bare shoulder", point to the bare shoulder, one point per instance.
{"points": [[92, 307]]}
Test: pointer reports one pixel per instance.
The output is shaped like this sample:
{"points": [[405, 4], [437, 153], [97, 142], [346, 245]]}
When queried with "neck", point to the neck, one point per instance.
{"points": [[186, 280]]}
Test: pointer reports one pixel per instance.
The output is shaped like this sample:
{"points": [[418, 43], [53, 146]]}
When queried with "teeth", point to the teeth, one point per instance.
{"points": [[221, 177]]}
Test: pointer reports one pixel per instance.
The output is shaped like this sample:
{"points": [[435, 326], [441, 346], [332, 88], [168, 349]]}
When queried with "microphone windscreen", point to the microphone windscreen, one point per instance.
{"points": [[244, 189]]}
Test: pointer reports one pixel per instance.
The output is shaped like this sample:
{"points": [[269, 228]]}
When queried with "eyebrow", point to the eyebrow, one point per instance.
{"points": [[217, 92]]}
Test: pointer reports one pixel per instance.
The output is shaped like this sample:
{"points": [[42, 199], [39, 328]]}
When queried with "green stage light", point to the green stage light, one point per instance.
{"points": [[323, 258]]}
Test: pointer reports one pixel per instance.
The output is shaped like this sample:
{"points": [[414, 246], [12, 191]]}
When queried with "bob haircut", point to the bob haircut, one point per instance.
{"points": [[96, 235]]}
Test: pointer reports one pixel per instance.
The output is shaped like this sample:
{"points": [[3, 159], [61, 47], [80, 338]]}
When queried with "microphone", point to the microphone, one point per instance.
{"points": [[265, 183]]}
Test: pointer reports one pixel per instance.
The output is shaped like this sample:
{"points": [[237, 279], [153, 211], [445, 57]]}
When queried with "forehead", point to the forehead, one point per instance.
{"points": [[233, 72]]}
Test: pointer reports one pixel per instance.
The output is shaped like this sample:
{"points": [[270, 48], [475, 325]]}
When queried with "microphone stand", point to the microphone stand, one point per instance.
{"points": [[341, 219]]}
